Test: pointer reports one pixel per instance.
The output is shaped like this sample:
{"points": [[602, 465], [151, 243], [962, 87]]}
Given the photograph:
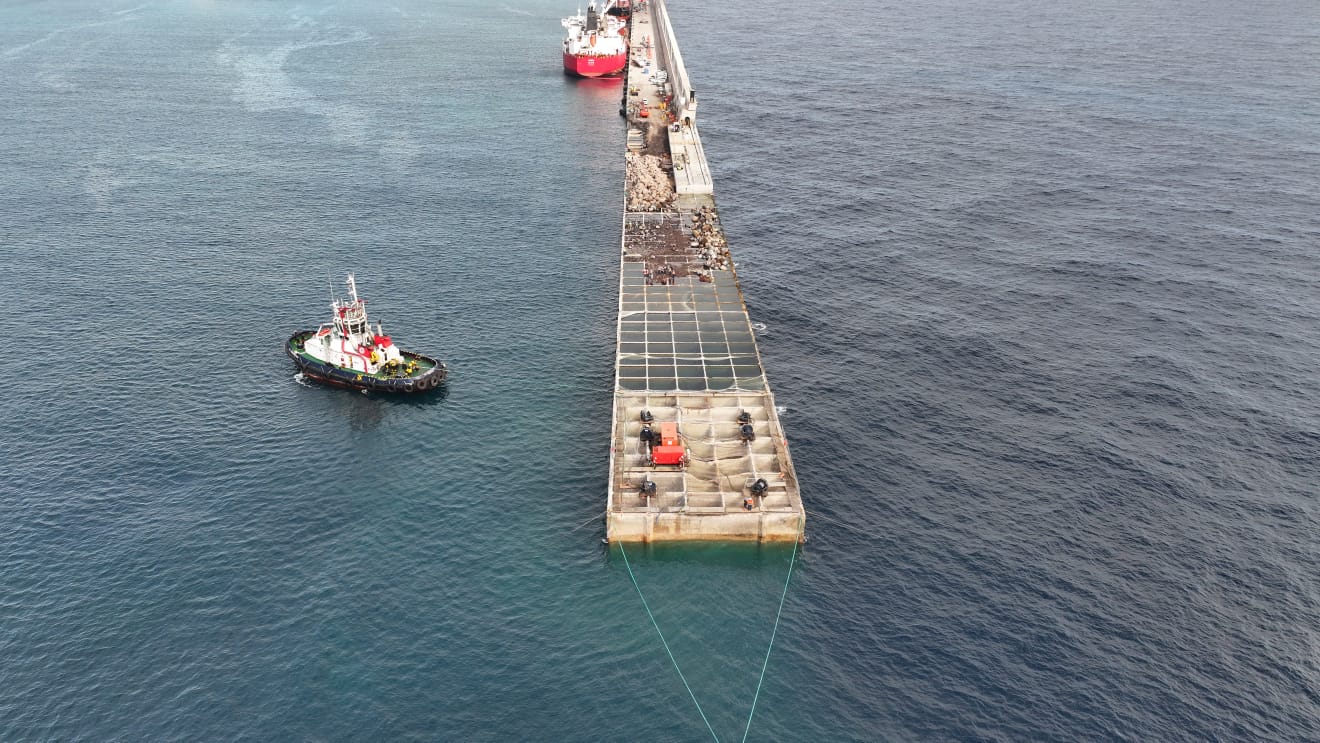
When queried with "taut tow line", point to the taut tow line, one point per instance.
{"points": [[666, 644], [792, 560], [771, 646]]}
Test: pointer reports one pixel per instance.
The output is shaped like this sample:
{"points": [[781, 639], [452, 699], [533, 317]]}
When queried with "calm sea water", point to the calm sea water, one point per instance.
{"points": [[1040, 294]]}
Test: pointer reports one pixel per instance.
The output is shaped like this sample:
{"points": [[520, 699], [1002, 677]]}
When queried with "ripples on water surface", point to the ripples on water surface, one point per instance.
{"points": [[1039, 293]]}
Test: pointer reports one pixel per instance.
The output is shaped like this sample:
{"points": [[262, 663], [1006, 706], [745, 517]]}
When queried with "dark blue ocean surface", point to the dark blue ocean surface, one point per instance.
{"points": [[1040, 297]]}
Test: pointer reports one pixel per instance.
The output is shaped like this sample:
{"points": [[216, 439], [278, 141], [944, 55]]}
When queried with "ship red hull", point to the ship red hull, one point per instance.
{"points": [[595, 66]]}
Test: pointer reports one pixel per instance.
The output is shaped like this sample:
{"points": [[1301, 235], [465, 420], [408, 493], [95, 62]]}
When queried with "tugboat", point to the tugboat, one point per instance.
{"points": [[348, 352]]}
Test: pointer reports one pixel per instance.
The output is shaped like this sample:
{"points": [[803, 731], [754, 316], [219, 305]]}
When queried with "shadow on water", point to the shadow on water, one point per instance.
{"points": [[603, 88], [365, 410], [738, 555], [414, 399]]}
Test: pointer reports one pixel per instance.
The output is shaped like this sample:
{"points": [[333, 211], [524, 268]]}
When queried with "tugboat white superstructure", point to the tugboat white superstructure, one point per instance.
{"points": [[349, 352]]}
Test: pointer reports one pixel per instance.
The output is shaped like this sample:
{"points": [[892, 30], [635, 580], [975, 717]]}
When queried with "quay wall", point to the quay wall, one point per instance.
{"points": [[686, 352]]}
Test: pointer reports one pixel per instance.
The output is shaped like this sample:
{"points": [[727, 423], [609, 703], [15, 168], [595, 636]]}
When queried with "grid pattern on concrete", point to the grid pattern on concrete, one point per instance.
{"points": [[660, 239], [685, 336]]}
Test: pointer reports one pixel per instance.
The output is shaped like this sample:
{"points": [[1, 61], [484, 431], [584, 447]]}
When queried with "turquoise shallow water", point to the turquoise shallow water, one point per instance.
{"points": [[1038, 294]]}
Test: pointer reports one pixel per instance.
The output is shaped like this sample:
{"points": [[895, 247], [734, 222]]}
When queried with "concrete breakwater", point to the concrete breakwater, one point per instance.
{"points": [[697, 449]]}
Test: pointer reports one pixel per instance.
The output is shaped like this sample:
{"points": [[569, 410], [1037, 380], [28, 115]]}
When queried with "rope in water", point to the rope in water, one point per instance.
{"points": [[671, 654], [844, 524], [588, 522], [778, 614]]}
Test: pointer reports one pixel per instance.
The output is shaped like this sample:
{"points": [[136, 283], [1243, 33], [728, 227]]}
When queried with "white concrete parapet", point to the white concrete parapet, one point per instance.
{"points": [[691, 171], [670, 60]]}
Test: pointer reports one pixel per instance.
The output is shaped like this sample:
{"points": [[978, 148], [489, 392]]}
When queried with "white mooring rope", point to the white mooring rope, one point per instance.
{"points": [[764, 664]]}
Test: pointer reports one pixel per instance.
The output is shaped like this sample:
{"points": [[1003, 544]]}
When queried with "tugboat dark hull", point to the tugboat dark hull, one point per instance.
{"points": [[339, 376]]}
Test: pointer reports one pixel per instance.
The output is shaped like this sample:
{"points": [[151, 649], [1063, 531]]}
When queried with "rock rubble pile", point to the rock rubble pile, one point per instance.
{"points": [[649, 187], [708, 238]]}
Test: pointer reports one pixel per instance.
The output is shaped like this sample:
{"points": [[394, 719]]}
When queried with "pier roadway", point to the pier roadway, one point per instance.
{"points": [[686, 353], [654, 83]]}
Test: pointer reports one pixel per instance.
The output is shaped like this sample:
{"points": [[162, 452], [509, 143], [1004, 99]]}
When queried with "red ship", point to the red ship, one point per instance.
{"points": [[597, 41]]}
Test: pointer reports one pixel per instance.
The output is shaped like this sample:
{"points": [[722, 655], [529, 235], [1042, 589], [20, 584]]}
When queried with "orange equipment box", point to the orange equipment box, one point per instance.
{"points": [[669, 434]]}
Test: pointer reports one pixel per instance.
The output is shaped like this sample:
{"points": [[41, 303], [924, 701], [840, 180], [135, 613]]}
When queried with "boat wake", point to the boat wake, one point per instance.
{"points": [[264, 83], [759, 327], [122, 16], [302, 379]]}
